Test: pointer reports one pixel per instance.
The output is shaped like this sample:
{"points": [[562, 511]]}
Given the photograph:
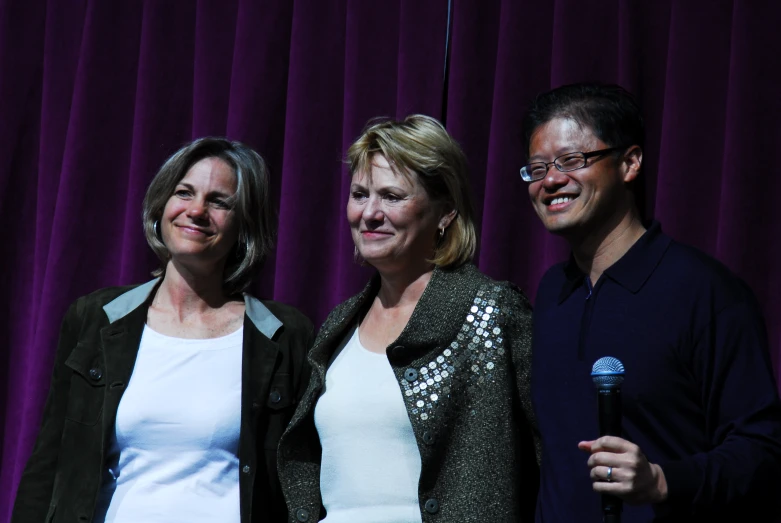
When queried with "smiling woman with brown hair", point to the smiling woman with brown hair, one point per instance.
{"points": [[419, 398], [163, 393]]}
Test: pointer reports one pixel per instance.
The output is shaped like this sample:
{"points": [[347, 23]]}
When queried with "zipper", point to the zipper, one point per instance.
{"points": [[585, 320]]}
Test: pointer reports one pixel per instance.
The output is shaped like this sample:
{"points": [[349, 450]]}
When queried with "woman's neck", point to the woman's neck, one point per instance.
{"points": [[403, 289], [392, 307], [184, 291]]}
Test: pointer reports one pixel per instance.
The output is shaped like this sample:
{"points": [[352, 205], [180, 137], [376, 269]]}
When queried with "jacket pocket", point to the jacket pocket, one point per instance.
{"points": [[280, 392], [280, 405], [87, 386]]}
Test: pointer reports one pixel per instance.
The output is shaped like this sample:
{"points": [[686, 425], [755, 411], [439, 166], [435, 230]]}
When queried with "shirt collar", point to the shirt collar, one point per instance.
{"points": [[632, 270], [573, 278], [263, 319], [123, 304]]}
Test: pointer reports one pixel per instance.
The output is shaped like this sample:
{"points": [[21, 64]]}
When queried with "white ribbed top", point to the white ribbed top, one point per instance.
{"points": [[371, 463], [174, 455]]}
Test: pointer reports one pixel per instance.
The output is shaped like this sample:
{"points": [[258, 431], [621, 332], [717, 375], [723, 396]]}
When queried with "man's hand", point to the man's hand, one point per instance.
{"points": [[632, 477]]}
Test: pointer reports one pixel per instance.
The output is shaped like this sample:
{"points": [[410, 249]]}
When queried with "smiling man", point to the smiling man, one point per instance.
{"points": [[701, 427]]}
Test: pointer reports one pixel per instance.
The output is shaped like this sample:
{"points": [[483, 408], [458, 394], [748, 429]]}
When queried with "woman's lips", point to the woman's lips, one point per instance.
{"points": [[192, 230], [375, 235]]}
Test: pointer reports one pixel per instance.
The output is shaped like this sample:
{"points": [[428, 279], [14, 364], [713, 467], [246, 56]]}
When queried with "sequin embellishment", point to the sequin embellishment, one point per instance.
{"points": [[469, 361]]}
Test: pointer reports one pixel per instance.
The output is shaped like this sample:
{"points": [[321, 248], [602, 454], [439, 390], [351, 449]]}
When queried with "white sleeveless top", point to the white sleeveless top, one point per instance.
{"points": [[371, 463], [174, 455]]}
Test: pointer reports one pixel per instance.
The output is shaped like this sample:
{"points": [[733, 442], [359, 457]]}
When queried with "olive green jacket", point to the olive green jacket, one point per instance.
{"points": [[462, 364], [95, 357]]}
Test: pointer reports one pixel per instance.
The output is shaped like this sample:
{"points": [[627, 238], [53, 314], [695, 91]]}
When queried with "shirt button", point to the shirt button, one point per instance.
{"points": [[95, 373], [245, 469], [302, 514], [431, 506], [410, 375], [398, 351], [428, 438], [275, 396]]}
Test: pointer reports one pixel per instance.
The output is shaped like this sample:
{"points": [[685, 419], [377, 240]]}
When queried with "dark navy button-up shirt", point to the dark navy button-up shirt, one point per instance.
{"points": [[699, 397]]}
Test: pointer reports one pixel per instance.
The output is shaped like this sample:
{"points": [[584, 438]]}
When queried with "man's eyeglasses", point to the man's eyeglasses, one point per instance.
{"points": [[564, 163]]}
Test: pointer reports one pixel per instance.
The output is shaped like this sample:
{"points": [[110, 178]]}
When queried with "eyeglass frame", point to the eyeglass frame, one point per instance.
{"points": [[586, 156]]}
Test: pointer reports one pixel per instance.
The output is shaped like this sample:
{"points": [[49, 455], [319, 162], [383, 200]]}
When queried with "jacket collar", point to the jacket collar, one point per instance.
{"points": [[436, 319], [121, 306], [632, 270]]}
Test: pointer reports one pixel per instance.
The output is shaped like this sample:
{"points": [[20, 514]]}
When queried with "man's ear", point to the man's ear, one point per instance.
{"points": [[632, 160]]}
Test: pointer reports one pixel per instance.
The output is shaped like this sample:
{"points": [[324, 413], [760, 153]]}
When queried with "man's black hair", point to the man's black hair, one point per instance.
{"points": [[609, 111]]}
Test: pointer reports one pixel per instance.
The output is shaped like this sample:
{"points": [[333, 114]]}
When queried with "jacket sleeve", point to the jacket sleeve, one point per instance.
{"points": [[742, 415], [518, 336], [295, 341], [33, 498]]}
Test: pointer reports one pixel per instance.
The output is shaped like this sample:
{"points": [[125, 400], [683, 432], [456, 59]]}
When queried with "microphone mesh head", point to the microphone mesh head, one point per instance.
{"points": [[607, 372]]}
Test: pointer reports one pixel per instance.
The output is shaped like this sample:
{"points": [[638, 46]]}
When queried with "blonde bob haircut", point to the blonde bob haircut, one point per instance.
{"points": [[250, 205], [420, 144]]}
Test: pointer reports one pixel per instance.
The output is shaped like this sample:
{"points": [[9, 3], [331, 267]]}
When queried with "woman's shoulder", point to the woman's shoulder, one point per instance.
{"points": [[342, 313], [107, 294], [346, 310], [289, 315], [97, 299], [503, 302], [502, 291]]}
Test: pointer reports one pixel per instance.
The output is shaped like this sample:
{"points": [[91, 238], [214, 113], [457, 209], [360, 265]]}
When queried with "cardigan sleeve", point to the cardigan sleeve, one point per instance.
{"points": [[33, 498], [518, 328]]}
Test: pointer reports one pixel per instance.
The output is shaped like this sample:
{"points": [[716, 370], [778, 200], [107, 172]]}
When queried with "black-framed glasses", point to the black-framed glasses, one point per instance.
{"points": [[564, 163]]}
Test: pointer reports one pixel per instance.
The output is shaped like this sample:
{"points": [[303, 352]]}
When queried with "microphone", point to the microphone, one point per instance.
{"points": [[608, 375]]}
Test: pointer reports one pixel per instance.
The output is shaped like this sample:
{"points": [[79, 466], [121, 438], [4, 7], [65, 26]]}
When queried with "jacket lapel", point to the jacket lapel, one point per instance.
{"points": [[259, 351], [438, 315], [258, 362], [119, 342], [335, 329]]}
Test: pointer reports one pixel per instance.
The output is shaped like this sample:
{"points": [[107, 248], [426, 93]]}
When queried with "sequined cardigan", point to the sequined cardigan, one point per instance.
{"points": [[462, 364]]}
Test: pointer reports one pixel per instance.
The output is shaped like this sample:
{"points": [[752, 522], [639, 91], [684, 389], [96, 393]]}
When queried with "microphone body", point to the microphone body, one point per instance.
{"points": [[609, 411], [608, 375]]}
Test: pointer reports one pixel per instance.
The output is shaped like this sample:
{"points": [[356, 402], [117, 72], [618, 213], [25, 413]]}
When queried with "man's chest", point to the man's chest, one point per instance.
{"points": [[571, 335]]}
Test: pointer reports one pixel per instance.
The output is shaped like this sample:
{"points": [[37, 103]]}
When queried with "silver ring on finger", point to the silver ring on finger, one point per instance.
{"points": [[609, 474]]}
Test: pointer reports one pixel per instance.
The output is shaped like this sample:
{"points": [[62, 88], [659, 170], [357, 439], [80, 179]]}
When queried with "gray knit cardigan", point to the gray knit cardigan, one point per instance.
{"points": [[462, 364]]}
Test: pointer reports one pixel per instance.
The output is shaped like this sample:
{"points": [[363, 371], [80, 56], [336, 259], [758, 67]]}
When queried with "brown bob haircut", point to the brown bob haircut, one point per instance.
{"points": [[250, 205], [420, 144]]}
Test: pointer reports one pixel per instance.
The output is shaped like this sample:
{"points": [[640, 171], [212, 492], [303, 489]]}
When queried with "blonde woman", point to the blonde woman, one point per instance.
{"points": [[418, 408]]}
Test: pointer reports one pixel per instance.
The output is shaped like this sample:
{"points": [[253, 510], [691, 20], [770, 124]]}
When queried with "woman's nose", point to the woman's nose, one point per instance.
{"points": [[373, 210], [197, 208]]}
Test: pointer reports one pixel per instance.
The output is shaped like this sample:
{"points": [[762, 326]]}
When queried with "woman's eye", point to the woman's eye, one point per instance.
{"points": [[221, 204], [357, 195], [392, 197], [182, 193]]}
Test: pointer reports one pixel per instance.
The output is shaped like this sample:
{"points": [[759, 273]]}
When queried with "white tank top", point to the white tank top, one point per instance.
{"points": [[370, 466], [175, 447]]}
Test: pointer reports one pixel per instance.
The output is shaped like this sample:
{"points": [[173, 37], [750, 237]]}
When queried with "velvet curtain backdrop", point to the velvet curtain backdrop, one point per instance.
{"points": [[94, 95]]}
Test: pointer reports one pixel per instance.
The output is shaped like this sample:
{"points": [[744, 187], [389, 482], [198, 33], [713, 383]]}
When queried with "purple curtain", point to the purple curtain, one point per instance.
{"points": [[94, 95]]}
